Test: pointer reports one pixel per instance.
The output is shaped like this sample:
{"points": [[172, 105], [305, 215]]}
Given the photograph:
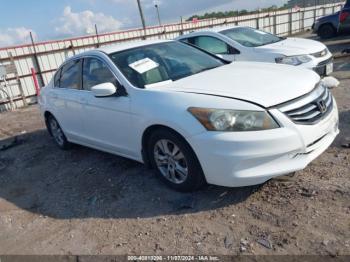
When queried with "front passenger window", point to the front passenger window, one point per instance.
{"points": [[96, 72], [212, 44]]}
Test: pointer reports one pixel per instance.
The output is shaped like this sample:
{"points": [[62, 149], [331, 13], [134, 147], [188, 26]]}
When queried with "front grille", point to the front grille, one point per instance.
{"points": [[320, 54], [320, 70], [325, 62], [311, 108], [321, 67]]}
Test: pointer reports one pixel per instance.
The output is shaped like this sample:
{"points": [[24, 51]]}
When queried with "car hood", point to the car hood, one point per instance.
{"points": [[265, 84], [293, 46]]}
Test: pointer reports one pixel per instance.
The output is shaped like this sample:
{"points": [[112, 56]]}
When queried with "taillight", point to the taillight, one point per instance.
{"points": [[343, 16]]}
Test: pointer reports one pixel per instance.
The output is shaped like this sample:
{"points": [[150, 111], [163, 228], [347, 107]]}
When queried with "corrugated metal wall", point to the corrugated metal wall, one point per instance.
{"points": [[50, 55]]}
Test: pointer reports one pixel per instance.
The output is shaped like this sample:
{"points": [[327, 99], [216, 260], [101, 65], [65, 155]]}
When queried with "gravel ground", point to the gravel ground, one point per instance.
{"points": [[86, 202]]}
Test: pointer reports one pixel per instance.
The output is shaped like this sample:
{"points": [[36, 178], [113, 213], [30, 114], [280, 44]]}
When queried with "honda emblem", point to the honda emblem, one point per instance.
{"points": [[322, 106]]}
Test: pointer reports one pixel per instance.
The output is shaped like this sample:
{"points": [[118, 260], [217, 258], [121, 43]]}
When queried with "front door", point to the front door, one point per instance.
{"points": [[106, 120]]}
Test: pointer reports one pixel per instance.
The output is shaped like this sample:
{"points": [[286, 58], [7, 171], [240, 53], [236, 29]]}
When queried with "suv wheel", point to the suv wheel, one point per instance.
{"points": [[326, 31]]}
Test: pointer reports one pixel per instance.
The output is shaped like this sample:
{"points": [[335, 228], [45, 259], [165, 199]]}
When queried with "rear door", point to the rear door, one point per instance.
{"points": [[347, 4], [65, 98]]}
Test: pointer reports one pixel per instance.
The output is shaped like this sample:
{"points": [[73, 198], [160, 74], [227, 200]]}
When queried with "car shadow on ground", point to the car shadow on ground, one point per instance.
{"points": [[338, 47], [83, 183], [341, 65]]}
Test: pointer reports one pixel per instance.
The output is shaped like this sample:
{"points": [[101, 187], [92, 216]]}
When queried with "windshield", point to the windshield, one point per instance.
{"points": [[169, 61], [250, 37]]}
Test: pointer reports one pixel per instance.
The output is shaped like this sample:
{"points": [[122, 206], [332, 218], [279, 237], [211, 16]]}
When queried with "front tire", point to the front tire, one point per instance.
{"points": [[57, 133], [326, 31], [174, 161]]}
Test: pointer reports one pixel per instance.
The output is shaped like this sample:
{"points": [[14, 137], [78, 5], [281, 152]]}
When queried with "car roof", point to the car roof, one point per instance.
{"points": [[125, 46], [115, 48], [222, 28]]}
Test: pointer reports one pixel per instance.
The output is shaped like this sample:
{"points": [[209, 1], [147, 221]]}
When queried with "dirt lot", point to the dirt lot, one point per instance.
{"points": [[86, 202]]}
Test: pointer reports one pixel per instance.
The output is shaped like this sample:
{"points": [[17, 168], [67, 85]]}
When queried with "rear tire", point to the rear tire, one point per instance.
{"points": [[174, 161], [57, 133], [326, 31]]}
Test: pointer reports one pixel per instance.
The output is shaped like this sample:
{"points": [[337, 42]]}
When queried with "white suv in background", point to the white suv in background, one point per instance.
{"points": [[239, 43], [190, 115]]}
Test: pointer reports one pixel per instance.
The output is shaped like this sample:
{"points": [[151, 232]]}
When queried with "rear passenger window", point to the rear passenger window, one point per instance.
{"points": [[70, 75], [96, 72], [57, 78]]}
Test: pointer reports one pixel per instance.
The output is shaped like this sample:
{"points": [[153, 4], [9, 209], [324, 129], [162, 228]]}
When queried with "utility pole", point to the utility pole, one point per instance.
{"points": [[157, 7], [182, 26], [142, 17], [37, 60], [97, 36]]}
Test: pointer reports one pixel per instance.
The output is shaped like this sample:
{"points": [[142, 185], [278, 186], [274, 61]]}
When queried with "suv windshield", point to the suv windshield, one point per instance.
{"points": [[250, 37], [169, 61]]}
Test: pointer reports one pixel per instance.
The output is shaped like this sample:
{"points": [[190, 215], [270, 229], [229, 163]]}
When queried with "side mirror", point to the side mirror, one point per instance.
{"points": [[104, 90], [330, 82]]}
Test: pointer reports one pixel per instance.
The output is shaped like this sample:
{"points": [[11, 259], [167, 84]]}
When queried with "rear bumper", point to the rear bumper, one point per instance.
{"points": [[250, 158]]}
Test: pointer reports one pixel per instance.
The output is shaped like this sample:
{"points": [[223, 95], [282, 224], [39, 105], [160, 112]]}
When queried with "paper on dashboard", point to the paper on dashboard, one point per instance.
{"points": [[144, 65]]}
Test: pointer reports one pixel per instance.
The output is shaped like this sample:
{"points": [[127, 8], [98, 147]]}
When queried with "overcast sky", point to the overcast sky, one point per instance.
{"points": [[51, 19]]}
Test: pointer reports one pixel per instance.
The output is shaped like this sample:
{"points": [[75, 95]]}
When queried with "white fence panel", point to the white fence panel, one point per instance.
{"points": [[50, 55]]}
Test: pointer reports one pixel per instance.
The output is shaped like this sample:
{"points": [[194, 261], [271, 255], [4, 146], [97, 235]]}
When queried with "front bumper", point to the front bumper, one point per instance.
{"points": [[250, 158], [315, 27], [322, 66], [325, 67]]}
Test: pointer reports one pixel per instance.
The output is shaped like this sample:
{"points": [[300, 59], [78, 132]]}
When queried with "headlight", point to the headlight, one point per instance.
{"points": [[233, 120], [293, 60]]}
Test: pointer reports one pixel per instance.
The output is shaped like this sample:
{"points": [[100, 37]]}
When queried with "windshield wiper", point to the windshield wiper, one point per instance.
{"points": [[200, 71]]}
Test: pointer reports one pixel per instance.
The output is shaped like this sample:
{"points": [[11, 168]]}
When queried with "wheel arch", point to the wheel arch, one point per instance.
{"points": [[327, 24], [47, 114], [148, 132]]}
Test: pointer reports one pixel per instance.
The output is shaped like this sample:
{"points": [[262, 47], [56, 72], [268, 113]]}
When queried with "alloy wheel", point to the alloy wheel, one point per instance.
{"points": [[57, 132], [170, 161]]}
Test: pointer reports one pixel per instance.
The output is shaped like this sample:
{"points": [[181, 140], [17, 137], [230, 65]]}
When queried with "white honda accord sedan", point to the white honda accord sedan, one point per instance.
{"points": [[189, 115], [241, 43]]}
